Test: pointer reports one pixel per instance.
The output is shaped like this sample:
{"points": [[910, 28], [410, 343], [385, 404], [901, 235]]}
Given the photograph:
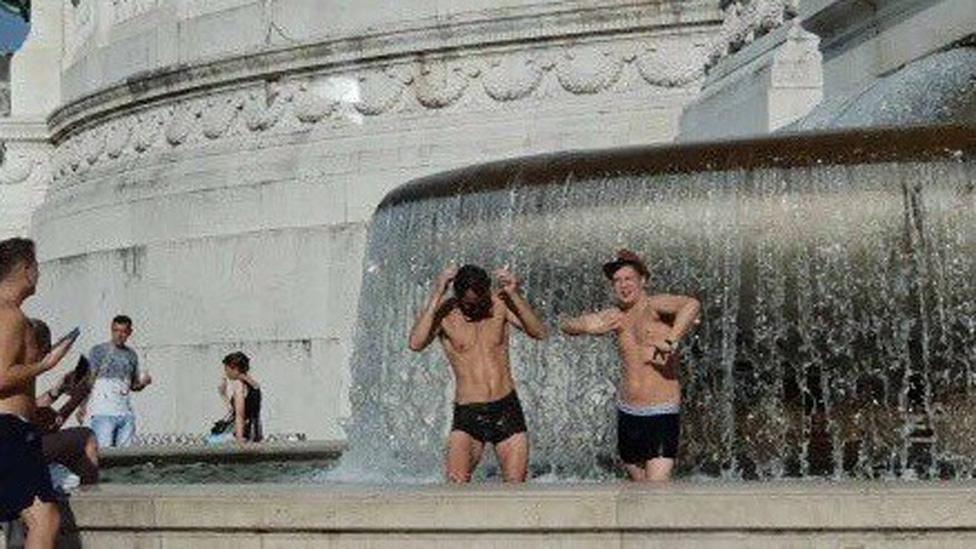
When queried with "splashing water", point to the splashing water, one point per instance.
{"points": [[838, 333]]}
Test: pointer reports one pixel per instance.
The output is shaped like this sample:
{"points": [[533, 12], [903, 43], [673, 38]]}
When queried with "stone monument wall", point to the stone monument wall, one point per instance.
{"points": [[217, 164]]}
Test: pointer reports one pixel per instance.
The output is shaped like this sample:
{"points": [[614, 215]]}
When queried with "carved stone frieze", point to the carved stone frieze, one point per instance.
{"points": [[293, 103], [265, 105], [441, 83], [515, 76], [672, 63], [380, 90], [17, 166], [218, 113], [589, 69]]}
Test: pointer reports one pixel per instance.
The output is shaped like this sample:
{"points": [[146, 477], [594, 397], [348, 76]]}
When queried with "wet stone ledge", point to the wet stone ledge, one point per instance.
{"points": [[683, 514]]}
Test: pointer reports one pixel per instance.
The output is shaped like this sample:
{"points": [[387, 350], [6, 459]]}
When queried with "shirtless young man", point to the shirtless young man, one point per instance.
{"points": [[24, 477], [473, 327], [649, 396]]}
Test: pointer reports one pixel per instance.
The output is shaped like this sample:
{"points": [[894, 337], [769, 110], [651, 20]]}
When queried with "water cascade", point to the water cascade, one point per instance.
{"points": [[836, 273]]}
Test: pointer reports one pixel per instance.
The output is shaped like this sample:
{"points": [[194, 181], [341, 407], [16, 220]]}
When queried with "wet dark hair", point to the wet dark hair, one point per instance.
{"points": [[471, 277], [42, 335], [123, 320], [13, 252], [238, 361]]}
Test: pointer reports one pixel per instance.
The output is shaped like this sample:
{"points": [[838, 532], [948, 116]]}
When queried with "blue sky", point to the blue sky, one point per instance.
{"points": [[13, 30]]}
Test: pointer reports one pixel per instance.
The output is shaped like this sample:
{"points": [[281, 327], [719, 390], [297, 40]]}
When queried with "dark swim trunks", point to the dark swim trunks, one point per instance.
{"points": [[644, 437], [490, 421], [23, 472]]}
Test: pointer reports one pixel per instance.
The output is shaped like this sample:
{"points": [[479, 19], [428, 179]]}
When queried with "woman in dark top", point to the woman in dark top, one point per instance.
{"points": [[245, 402]]}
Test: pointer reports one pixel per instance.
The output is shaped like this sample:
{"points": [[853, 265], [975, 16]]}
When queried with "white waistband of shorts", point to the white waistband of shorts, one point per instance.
{"points": [[652, 410]]}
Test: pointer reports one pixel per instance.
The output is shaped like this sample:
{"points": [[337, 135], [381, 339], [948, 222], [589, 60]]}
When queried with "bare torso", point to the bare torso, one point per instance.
{"points": [[649, 377], [20, 402], [478, 353]]}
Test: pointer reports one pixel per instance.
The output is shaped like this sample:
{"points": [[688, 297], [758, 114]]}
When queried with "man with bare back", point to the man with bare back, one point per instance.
{"points": [[649, 396], [473, 327], [25, 483]]}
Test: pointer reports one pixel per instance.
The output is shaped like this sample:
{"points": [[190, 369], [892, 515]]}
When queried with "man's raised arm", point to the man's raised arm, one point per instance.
{"points": [[685, 310], [428, 321], [600, 323], [521, 314]]}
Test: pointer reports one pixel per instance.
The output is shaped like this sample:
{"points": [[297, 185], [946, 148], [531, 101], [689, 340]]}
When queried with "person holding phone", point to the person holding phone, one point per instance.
{"points": [[116, 374], [27, 491], [73, 447]]}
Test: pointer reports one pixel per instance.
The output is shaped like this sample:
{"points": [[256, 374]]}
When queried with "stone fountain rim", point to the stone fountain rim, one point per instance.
{"points": [[789, 150]]}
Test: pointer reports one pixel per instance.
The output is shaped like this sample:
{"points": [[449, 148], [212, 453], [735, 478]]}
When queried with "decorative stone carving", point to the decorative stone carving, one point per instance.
{"points": [[380, 90], [218, 114], [94, 145], [671, 63], [16, 167], [304, 101], [440, 83], [146, 130], [746, 20], [513, 77], [264, 106], [588, 69], [314, 101], [116, 138], [180, 123]]}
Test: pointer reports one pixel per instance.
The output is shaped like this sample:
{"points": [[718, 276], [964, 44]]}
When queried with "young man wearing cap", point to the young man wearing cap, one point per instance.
{"points": [[473, 327], [649, 396]]}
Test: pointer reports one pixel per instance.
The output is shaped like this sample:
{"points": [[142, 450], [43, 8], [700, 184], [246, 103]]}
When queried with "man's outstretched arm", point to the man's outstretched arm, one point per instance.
{"points": [[600, 323], [428, 321], [521, 314]]}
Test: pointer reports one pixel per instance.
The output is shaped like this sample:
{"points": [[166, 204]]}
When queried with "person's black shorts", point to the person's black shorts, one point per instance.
{"points": [[641, 438], [23, 473], [490, 421]]}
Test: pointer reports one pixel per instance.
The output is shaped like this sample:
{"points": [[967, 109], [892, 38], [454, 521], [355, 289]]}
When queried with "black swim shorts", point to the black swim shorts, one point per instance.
{"points": [[641, 438], [490, 421], [23, 473]]}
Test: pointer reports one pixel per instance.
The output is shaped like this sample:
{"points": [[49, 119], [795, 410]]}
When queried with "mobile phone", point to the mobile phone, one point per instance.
{"points": [[82, 368], [70, 336]]}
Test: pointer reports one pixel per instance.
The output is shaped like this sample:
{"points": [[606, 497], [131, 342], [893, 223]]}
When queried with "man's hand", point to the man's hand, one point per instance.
{"points": [[52, 359], [506, 280], [445, 278], [145, 379], [662, 349]]}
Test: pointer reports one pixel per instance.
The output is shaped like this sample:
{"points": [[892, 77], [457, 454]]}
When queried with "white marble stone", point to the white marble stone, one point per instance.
{"points": [[224, 203], [769, 83], [812, 514]]}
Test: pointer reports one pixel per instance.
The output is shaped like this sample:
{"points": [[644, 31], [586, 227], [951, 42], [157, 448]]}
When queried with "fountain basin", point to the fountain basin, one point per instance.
{"points": [[814, 514]]}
